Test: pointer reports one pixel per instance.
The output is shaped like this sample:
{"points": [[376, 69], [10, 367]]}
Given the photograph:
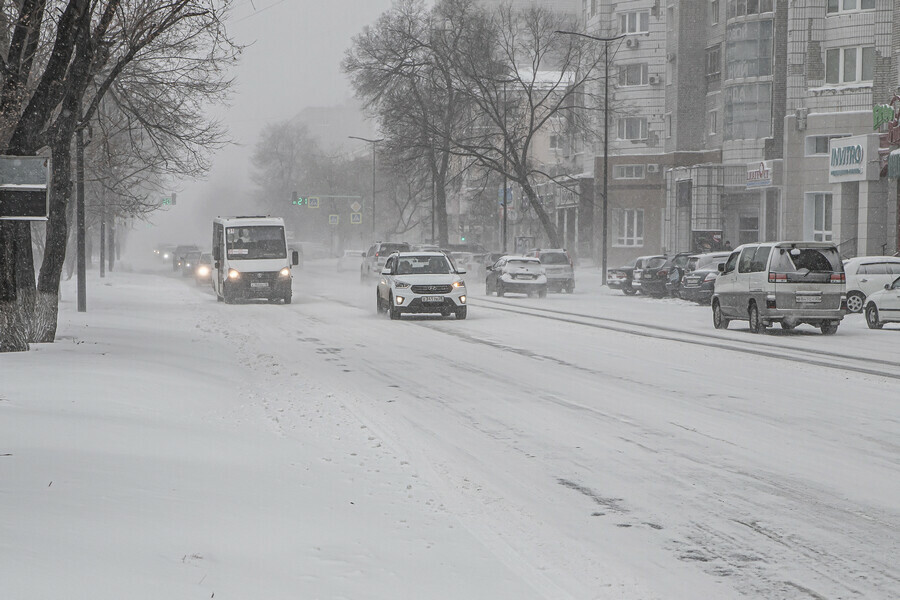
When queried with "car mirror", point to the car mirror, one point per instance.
{"points": [[295, 258], [217, 253], [217, 265], [721, 267], [887, 286], [385, 271], [363, 254], [458, 272]]}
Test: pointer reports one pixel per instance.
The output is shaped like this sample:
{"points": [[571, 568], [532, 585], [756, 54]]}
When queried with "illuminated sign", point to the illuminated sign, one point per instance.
{"points": [[310, 201]]}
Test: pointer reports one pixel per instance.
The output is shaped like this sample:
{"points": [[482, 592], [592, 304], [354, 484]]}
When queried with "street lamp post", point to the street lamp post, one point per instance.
{"points": [[373, 142], [606, 42]]}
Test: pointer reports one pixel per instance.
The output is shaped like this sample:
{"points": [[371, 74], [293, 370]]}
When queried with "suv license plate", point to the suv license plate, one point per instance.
{"points": [[259, 284], [809, 299], [432, 299]]}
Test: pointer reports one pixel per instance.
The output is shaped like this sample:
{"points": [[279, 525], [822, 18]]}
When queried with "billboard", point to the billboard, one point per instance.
{"points": [[24, 182]]}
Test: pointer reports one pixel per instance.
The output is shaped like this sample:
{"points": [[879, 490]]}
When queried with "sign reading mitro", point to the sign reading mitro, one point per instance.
{"points": [[849, 157]]}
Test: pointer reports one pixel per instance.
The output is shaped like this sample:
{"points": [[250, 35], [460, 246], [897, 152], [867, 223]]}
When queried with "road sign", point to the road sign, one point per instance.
{"points": [[24, 181], [356, 206], [314, 203], [333, 219], [356, 218]]}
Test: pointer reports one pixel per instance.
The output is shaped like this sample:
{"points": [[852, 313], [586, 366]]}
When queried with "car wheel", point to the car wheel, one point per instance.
{"points": [[219, 298], [756, 324], [787, 326], [379, 307], [500, 291], [855, 301], [461, 313], [872, 317], [542, 294], [393, 310], [719, 321], [629, 291], [287, 298], [829, 327]]}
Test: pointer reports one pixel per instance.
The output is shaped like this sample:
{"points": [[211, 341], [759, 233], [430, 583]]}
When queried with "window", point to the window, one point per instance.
{"points": [[637, 21], [713, 122], [731, 263], [839, 6], [742, 8], [850, 65], [630, 75], [818, 144], [748, 111], [748, 228], [820, 206], [629, 226], [628, 172], [670, 18], [744, 264], [555, 142], [668, 122], [714, 12], [760, 259], [633, 128], [714, 61], [749, 49]]}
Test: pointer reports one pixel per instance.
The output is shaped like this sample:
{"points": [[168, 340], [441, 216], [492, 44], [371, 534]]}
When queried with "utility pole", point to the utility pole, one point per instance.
{"points": [[605, 231], [79, 226], [102, 234], [505, 181]]}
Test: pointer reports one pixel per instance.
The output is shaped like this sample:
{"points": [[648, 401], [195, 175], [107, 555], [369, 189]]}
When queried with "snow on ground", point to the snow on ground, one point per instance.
{"points": [[171, 446]]}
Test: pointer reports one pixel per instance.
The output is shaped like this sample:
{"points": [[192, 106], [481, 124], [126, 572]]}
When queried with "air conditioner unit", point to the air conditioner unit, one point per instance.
{"points": [[653, 80], [632, 42], [653, 168]]}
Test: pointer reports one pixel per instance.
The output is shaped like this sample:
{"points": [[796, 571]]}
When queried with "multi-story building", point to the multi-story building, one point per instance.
{"points": [[728, 114]]}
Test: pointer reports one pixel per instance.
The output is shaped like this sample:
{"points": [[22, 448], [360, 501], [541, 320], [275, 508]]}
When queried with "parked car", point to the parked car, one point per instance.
{"points": [[203, 269], [700, 276], [376, 256], [516, 274], [350, 260], [420, 282], [179, 253], [425, 248], [674, 270], [189, 262], [867, 275], [646, 271], [620, 278], [558, 266], [785, 282], [883, 306]]}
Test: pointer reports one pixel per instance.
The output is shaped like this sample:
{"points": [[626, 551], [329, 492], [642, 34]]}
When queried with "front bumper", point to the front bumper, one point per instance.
{"points": [[248, 285], [414, 303]]}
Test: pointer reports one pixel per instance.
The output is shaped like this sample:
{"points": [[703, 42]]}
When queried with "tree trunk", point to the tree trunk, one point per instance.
{"points": [[13, 331], [440, 206], [46, 313], [111, 236], [535, 204]]}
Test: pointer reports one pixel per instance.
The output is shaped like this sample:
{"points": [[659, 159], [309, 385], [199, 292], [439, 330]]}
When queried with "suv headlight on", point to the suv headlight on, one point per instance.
{"points": [[285, 272], [459, 284], [401, 285]]}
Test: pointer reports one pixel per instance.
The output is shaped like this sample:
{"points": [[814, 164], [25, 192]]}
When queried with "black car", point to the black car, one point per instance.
{"points": [[675, 268], [179, 253], [700, 277], [649, 278], [620, 278]]}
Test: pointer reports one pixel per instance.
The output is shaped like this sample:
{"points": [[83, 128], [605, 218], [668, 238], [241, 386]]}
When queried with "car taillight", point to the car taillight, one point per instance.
{"points": [[770, 302], [662, 273], [838, 278], [776, 277]]}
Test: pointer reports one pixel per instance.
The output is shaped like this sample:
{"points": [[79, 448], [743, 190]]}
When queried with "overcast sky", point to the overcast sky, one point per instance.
{"points": [[292, 62]]}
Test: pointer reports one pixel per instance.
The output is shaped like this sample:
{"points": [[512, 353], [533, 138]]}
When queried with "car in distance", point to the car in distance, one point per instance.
{"points": [[700, 276], [376, 256], [647, 279], [558, 266], [180, 252], [867, 275], [883, 306], [204, 269], [350, 260], [620, 278], [674, 270], [781, 282], [420, 282], [516, 274], [189, 263]]}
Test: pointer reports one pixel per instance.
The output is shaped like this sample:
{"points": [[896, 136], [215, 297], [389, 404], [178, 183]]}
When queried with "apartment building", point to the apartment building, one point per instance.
{"points": [[730, 119]]}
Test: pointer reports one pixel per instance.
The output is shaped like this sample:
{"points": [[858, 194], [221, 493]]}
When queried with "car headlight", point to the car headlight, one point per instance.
{"points": [[711, 277], [203, 271], [459, 284], [285, 272], [188, 264], [401, 284], [166, 255], [232, 274]]}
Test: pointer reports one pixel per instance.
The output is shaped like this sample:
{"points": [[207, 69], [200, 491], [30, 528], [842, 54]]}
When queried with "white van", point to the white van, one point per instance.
{"points": [[785, 282], [251, 259]]}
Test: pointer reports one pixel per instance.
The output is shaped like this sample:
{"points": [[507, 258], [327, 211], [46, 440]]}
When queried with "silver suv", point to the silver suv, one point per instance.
{"points": [[785, 282], [558, 266], [375, 257]]}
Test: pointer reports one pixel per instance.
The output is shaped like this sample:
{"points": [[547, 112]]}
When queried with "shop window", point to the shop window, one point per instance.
{"points": [[628, 172], [850, 65], [819, 205], [631, 75], [749, 49], [637, 21], [629, 226], [632, 128], [840, 6], [748, 228], [748, 111], [818, 144]]}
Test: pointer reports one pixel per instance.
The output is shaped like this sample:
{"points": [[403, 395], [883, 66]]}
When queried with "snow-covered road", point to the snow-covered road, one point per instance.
{"points": [[556, 448]]}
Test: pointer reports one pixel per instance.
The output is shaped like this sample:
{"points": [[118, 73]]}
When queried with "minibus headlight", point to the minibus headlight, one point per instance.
{"points": [[232, 274]]}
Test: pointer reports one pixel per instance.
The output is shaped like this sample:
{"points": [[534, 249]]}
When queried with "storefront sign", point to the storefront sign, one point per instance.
{"points": [[759, 174], [849, 158]]}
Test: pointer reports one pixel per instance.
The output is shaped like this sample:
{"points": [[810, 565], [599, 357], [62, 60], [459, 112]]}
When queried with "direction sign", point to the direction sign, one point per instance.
{"points": [[356, 206], [356, 218], [333, 219]]}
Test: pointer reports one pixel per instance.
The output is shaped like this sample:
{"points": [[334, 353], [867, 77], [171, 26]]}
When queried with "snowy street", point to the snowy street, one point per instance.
{"points": [[586, 446]]}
